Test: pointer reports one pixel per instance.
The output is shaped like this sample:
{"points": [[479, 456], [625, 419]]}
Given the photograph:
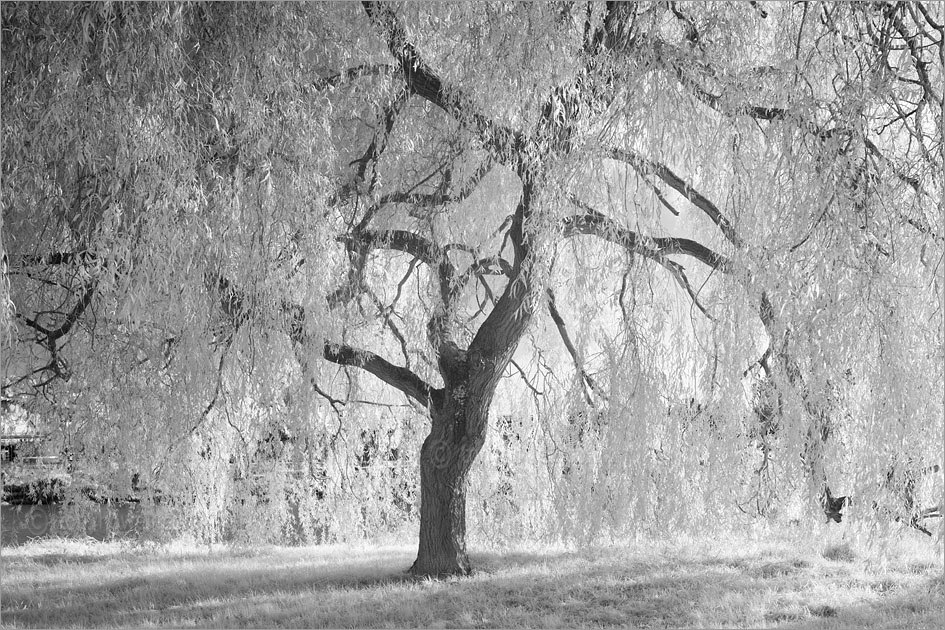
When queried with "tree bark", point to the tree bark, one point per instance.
{"points": [[442, 548], [457, 435]]}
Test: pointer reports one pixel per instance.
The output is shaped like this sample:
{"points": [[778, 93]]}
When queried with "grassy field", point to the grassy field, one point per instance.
{"points": [[798, 581]]}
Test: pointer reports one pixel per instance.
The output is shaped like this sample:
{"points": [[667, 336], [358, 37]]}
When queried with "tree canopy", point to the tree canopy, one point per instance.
{"points": [[678, 258]]}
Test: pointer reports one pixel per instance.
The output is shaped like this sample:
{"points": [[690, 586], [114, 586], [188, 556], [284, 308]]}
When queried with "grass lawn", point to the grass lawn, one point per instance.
{"points": [[785, 581]]}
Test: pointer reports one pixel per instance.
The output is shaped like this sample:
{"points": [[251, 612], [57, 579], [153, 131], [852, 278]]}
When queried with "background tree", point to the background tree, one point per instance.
{"points": [[209, 208]]}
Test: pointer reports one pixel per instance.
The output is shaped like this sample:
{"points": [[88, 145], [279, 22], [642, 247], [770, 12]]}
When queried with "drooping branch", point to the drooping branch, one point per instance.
{"points": [[680, 65], [717, 103], [373, 153], [217, 387], [386, 314], [586, 379], [438, 198], [694, 76], [882, 160], [49, 338], [492, 266]]}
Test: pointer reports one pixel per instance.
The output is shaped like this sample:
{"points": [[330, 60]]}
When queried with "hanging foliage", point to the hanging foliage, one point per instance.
{"points": [[576, 270]]}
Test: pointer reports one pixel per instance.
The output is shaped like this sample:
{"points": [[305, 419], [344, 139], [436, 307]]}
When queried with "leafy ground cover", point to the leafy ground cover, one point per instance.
{"points": [[819, 580]]}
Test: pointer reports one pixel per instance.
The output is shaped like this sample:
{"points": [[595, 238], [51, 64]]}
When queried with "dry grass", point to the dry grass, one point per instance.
{"points": [[786, 582]]}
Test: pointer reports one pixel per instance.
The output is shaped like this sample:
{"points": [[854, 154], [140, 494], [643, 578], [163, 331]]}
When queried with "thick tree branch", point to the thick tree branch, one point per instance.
{"points": [[84, 257], [422, 80], [63, 258], [417, 245], [716, 102], [421, 248], [498, 336], [363, 70], [683, 187], [73, 316], [920, 64], [691, 33], [394, 375], [655, 247], [399, 377], [616, 33]]}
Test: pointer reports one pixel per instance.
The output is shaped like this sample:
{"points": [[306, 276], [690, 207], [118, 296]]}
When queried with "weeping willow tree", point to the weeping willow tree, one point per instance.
{"points": [[696, 246]]}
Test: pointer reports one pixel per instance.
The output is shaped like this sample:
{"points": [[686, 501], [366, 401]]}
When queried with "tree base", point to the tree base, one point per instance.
{"points": [[442, 567]]}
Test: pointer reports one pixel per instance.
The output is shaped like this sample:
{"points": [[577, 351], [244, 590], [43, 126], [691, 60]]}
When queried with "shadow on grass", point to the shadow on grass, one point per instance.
{"points": [[906, 610], [56, 559], [368, 589]]}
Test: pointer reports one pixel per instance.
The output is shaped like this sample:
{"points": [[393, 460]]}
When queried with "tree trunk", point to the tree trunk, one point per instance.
{"points": [[448, 452], [459, 414]]}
